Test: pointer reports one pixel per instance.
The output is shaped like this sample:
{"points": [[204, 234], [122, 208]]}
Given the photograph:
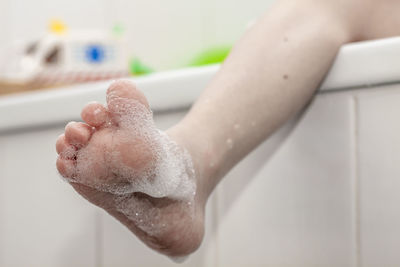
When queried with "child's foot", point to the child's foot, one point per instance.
{"points": [[122, 163]]}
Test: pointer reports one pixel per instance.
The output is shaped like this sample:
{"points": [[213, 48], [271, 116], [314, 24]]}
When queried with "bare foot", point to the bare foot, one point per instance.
{"points": [[119, 161]]}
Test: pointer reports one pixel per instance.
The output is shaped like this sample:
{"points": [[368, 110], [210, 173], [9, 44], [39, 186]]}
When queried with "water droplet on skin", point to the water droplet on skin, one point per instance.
{"points": [[229, 142], [137, 214]]}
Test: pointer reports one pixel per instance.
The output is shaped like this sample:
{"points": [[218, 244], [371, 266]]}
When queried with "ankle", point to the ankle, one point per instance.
{"points": [[203, 158]]}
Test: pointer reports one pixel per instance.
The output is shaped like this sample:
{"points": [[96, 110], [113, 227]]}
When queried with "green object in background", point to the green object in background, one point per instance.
{"points": [[118, 29], [211, 56], [138, 68]]}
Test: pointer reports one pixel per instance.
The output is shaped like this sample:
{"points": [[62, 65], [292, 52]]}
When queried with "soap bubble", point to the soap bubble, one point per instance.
{"points": [[166, 171]]}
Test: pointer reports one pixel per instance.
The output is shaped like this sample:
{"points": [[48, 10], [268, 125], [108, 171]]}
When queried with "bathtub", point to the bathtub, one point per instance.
{"points": [[322, 191]]}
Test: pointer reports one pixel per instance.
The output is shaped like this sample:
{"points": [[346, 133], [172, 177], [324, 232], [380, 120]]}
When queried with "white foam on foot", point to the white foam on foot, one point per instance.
{"points": [[169, 173], [68, 152], [148, 216]]}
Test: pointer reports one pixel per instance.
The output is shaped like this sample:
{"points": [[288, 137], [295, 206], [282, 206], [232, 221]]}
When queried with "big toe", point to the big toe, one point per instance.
{"points": [[124, 98]]}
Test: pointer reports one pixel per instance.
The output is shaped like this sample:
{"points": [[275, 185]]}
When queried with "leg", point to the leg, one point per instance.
{"points": [[157, 183]]}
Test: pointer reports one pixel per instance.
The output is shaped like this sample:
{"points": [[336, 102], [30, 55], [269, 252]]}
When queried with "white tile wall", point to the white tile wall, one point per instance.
{"points": [[232, 18], [164, 34], [43, 221], [379, 172], [28, 19], [294, 206], [4, 27]]}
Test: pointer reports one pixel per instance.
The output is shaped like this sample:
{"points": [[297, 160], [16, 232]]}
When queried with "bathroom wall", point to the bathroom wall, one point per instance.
{"points": [[164, 34]]}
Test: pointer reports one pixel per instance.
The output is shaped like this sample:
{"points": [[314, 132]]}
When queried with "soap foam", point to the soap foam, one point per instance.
{"points": [[68, 153], [170, 172], [142, 212], [148, 214]]}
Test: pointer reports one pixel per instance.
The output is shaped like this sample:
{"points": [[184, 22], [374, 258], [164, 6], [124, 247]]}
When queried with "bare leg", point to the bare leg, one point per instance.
{"points": [[271, 74], [115, 159]]}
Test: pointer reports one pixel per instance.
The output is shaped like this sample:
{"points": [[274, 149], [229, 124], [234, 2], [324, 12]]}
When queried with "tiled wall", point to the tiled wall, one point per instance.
{"points": [[164, 34]]}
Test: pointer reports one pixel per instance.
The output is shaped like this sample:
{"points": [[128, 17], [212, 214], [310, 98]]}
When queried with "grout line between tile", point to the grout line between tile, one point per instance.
{"points": [[356, 182]]}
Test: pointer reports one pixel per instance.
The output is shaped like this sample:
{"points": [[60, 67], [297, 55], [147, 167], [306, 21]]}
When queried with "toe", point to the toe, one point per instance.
{"points": [[66, 167], [120, 95], [77, 133], [61, 144], [65, 150], [94, 114]]}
